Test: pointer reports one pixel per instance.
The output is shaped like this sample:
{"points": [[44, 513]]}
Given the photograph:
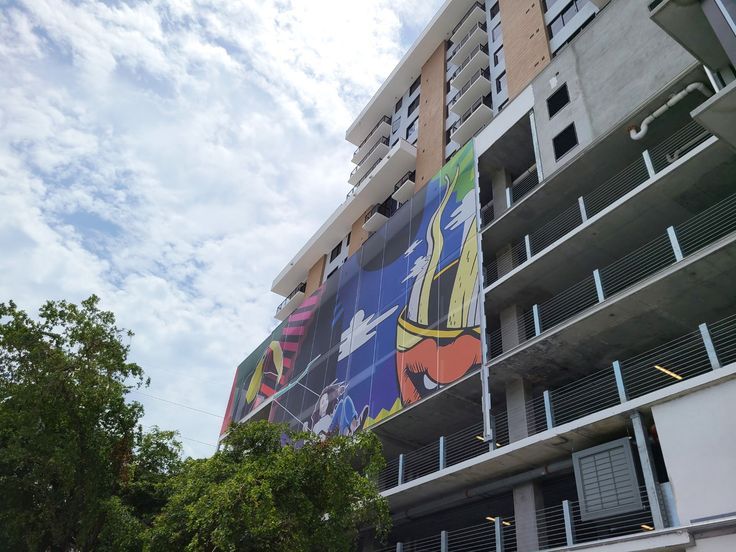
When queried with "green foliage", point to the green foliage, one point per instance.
{"points": [[75, 470], [259, 493]]}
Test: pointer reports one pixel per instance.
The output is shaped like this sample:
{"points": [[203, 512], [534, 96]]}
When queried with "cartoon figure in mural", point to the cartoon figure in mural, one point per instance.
{"points": [[422, 341], [334, 412]]}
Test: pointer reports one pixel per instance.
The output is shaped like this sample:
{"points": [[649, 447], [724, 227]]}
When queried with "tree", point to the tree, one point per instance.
{"points": [[76, 472], [269, 488]]}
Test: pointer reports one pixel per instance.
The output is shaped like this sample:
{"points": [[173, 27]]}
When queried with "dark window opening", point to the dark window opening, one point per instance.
{"points": [[335, 252], [494, 10], [501, 82], [398, 105], [558, 100], [412, 128], [565, 141], [396, 125], [413, 105], [496, 33], [498, 56], [414, 86]]}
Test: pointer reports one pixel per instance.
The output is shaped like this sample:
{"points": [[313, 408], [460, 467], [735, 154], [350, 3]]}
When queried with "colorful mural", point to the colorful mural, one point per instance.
{"points": [[397, 322]]}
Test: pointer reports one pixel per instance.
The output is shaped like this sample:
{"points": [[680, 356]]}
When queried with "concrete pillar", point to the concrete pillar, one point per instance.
{"points": [[527, 500], [500, 180], [518, 393], [510, 319]]}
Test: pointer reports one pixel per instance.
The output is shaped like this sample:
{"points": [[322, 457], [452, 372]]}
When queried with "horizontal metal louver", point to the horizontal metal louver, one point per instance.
{"points": [[607, 481]]}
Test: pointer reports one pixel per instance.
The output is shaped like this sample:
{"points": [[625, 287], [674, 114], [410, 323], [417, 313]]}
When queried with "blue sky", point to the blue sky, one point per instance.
{"points": [[171, 157]]}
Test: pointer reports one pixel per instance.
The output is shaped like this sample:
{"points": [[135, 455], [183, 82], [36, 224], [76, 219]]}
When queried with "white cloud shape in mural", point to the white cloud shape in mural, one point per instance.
{"points": [[419, 267], [464, 213], [360, 331], [412, 247]]}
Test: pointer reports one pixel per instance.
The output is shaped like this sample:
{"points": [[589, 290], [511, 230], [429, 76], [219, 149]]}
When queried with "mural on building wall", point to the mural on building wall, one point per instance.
{"points": [[397, 322]]}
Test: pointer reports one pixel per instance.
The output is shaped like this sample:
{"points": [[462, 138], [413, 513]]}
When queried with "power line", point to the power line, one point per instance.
{"points": [[185, 438], [182, 405]]}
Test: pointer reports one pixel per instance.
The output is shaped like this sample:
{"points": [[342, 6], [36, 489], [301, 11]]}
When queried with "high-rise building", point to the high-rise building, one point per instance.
{"points": [[529, 292]]}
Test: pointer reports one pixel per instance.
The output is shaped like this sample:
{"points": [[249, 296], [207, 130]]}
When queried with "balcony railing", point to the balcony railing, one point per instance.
{"points": [[524, 184], [486, 214], [380, 209], [467, 14], [476, 104], [383, 140], [485, 73], [708, 348], [479, 48], [407, 177], [384, 119], [592, 203], [368, 172], [301, 288], [464, 40]]}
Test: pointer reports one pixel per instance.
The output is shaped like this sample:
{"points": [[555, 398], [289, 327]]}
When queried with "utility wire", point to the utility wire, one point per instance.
{"points": [[218, 416]]}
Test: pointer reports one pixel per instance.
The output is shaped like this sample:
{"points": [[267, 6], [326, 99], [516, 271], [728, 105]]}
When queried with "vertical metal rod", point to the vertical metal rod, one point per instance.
{"points": [[619, 375], [709, 347], [675, 243], [548, 413], [492, 441], [399, 547], [488, 428], [528, 246], [569, 527], [535, 144], [648, 163], [444, 543], [537, 320], [598, 285], [442, 452], [583, 212], [498, 529], [509, 199], [401, 469], [647, 468]]}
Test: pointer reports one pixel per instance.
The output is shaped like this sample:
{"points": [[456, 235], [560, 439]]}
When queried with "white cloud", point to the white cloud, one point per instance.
{"points": [[171, 157]]}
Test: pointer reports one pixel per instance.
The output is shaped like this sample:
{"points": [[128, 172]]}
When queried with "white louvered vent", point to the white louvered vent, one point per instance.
{"points": [[606, 479]]}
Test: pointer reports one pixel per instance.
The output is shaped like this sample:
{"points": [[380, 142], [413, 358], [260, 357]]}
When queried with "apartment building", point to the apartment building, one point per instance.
{"points": [[528, 291]]}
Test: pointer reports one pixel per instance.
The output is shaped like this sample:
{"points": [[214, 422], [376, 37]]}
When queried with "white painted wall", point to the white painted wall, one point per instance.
{"points": [[698, 437]]}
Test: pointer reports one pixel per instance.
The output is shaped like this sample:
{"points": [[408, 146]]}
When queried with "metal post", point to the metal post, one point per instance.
{"points": [[709, 347], [528, 245], [647, 468], [535, 144], [399, 547], [583, 212], [598, 285], [442, 452], [619, 375], [498, 527], [675, 243], [509, 199], [569, 527], [401, 469], [548, 413], [444, 544], [537, 320], [492, 440], [648, 163]]}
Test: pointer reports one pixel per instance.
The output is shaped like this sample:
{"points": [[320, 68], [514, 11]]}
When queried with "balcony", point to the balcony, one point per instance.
{"points": [[478, 86], [291, 303], [378, 132], [718, 114], [404, 188], [476, 61], [401, 159], [376, 217], [472, 121], [475, 15], [476, 36], [369, 161]]}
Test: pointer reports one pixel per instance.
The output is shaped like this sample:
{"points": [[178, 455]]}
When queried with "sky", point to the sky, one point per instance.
{"points": [[172, 157]]}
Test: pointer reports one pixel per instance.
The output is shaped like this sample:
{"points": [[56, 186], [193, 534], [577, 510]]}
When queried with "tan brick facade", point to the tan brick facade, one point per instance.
{"points": [[432, 115], [357, 234], [314, 278], [525, 43]]}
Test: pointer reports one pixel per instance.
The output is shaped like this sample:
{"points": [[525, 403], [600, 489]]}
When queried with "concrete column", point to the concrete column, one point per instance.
{"points": [[518, 393], [500, 180], [510, 317], [527, 500]]}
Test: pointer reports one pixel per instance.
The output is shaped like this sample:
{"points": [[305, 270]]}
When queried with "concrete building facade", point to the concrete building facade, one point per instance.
{"points": [[527, 294]]}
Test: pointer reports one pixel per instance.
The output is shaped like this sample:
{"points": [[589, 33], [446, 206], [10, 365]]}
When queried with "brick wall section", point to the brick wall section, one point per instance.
{"points": [[525, 42], [431, 141], [314, 278], [357, 234]]}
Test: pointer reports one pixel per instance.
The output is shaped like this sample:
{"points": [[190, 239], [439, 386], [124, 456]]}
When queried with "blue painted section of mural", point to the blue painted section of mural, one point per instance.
{"points": [[399, 320]]}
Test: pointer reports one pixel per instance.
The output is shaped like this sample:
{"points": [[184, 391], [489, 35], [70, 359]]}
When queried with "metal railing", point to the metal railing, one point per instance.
{"points": [[505, 262], [481, 26], [613, 189], [708, 348], [468, 14], [479, 48], [408, 176], [368, 172], [525, 183], [487, 214], [301, 288], [379, 208], [383, 140], [483, 100], [471, 81], [384, 119]]}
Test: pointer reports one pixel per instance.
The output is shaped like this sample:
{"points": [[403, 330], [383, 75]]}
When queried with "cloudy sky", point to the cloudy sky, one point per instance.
{"points": [[171, 157]]}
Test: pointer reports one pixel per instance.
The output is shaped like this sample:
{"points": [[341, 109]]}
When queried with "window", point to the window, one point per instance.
{"points": [[415, 86], [412, 128], [412, 106], [496, 33], [494, 10], [566, 16], [398, 105], [335, 252], [548, 4], [498, 56], [558, 100], [396, 124], [347, 239], [565, 141], [501, 82]]}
